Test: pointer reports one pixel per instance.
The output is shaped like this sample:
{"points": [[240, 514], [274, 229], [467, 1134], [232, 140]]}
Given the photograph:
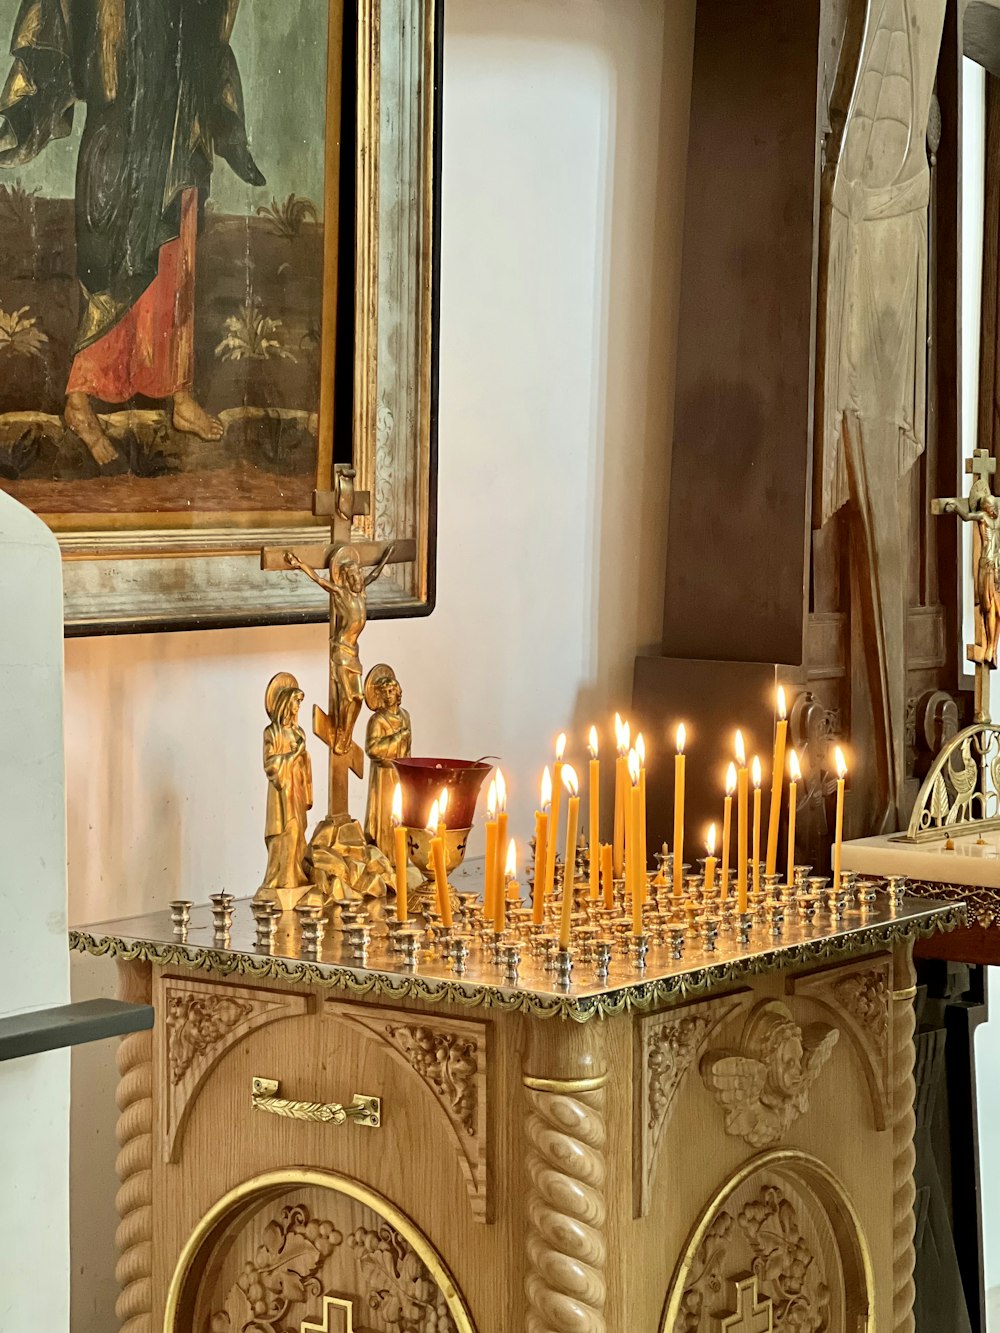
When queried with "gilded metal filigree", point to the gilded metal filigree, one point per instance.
{"points": [[961, 792], [634, 996]]}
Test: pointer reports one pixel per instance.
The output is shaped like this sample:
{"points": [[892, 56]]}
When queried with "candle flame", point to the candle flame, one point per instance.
{"points": [[501, 782], [443, 804], [570, 781], [793, 767], [546, 789], [710, 840], [741, 750], [841, 762], [397, 806], [782, 712], [560, 746], [592, 743], [618, 731], [491, 801], [640, 750], [755, 771], [435, 818], [510, 868], [681, 737], [633, 767], [730, 779]]}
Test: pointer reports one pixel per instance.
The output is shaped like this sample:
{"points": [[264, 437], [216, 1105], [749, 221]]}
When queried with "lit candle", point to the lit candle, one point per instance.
{"points": [[621, 782], [557, 786], [640, 754], [756, 824], [595, 815], [742, 788], [608, 873], [727, 825], [509, 884], [498, 907], [442, 827], [489, 884], [795, 773], [572, 785], [710, 859], [777, 779], [839, 834], [679, 813], [632, 860], [440, 870], [541, 849], [399, 846]]}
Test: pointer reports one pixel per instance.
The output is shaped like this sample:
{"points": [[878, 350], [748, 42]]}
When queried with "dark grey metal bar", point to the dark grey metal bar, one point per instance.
{"points": [[70, 1025]]}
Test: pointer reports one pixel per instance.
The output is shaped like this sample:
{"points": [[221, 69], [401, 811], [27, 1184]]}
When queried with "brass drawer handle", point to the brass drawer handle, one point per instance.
{"points": [[364, 1111]]}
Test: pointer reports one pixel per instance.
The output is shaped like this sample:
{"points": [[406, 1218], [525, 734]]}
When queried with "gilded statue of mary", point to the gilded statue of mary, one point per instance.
{"points": [[289, 791]]}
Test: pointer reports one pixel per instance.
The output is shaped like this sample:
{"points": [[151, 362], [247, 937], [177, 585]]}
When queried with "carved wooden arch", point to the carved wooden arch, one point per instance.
{"points": [[808, 1176], [666, 1046], [223, 1220], [463, 1101], [221, 1016], [859, 997]]}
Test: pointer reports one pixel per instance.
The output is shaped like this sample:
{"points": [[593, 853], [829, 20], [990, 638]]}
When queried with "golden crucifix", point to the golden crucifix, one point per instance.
{"points": [[347, 586], [982, 508]]}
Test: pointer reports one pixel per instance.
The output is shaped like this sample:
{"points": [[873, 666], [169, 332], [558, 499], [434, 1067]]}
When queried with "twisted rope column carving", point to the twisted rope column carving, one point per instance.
{"points": [[565, 1204], [903, 1126], [135, 1160]]}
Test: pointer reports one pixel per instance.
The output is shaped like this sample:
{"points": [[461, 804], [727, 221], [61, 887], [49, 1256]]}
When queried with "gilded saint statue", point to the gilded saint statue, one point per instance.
{"points": [[388, 737], [348, 588], [289, 792]]}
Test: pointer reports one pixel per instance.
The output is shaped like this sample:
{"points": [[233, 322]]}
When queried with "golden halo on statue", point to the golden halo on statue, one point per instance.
{"points": [[378, 676], [284, 680]]}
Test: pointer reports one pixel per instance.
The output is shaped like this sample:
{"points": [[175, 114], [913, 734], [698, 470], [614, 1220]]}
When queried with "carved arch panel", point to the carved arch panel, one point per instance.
{"points": [[782, 1241], [309, 1250]]}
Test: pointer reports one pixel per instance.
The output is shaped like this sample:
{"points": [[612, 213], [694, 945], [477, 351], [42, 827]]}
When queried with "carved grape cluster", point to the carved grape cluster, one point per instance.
{"points": [[400, 1289], [784, 1264], [283, 1270]]}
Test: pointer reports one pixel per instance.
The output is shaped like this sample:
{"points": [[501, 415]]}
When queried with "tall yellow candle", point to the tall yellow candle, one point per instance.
{"points": [[632, 868], [489, 906], [839, 832], [572, 785], [777, 781], [742, 791], [756, 775], [557, 786], [608, 873], [621, 795], [640, 754], [594, 812], [509, 884], [541, 850], [679, 813], [710, 859], [499, 885], [399, 847], [440, 869], [795, 774], [727, 824]]}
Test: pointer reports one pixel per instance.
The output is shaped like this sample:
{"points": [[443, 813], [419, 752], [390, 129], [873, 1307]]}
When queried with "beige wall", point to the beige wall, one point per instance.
{"points": [[565, 133]]}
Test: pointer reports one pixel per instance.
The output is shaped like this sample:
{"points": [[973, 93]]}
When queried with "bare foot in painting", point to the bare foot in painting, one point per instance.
{"points": [[191, 417], [80, 417]]}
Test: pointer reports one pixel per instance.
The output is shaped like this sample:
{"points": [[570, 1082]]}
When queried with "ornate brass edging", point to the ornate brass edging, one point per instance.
{"points": [[982, 903], [639, 997]]}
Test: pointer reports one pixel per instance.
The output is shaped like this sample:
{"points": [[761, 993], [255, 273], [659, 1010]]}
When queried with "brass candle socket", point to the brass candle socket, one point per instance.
{"points": [[180, 915], [602, 959]]}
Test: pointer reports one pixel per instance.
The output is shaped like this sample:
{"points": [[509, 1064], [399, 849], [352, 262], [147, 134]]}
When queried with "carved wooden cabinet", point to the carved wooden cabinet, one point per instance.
{"points": [[727, 1148]]}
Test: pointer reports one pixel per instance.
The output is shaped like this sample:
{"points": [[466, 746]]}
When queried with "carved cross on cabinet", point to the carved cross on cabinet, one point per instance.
{"points": [[752, 1315], [337, 1318]]}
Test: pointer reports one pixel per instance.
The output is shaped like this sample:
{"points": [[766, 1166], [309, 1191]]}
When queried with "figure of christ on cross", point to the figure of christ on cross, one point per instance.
{"points": [[347, 586], [982, 508]]}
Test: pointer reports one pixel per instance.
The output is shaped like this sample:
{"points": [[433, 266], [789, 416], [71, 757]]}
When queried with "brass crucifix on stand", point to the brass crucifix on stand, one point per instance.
{"points": [[982, 508], [344, 562]]}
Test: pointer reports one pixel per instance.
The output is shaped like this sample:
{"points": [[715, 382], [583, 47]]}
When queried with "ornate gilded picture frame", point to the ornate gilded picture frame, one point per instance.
{"points": [[218, 279]]}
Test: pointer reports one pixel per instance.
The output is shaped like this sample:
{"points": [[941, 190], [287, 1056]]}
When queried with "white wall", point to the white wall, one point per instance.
{"points": [[564, 138], [34, 968]]}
